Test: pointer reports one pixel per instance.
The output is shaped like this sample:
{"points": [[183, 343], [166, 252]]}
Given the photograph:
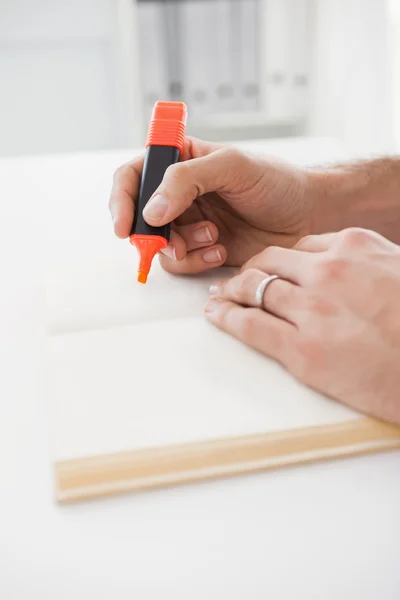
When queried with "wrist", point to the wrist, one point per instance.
{"points": [[357, 195], [336, 199]]}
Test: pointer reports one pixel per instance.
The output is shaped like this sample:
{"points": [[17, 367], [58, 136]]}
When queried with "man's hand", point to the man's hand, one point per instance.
{"points": [[332, 318], [224, 205]]}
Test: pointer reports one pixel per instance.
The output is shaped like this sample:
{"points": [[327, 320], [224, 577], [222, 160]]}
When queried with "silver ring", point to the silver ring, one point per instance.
{"points": [[260, 291]]}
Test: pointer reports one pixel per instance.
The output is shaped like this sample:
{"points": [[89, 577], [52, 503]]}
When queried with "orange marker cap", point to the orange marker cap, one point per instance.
{"points": [[167, 125]]}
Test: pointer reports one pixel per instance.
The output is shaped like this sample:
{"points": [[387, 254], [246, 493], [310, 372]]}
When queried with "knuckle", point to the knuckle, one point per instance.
{"points": [[332, 269], [246, 266], [270, 252], [304, 241], [308, 347], [240, 285], [176, 172], [322, 306], [182, 180], [243, 285], [249, 277], [232, 165], [355, 237], [232, 154], [261, 260]]}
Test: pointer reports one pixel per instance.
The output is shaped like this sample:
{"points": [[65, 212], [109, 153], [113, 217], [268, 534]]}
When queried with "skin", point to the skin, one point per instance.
{"points": [[221, 193], [332, 318]]}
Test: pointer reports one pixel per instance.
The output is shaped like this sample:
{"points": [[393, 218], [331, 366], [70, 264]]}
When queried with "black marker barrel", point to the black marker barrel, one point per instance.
{"points": [[164, 146]]}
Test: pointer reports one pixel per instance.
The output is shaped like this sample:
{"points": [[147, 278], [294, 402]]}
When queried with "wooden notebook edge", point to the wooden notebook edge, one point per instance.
{"points": [[109, 474]]}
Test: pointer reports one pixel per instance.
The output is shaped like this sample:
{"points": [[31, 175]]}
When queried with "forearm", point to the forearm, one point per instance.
{"points": [[364, 195]]}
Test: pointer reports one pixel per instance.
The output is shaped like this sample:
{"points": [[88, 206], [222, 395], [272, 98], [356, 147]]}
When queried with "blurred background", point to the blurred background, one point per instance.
{"points": [[82, 75]]}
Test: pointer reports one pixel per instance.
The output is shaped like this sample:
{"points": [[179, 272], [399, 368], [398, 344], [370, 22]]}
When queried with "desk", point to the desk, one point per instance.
{"points": [[326, 531]]}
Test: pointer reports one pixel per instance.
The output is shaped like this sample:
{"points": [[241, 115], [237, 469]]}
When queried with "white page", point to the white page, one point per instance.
{"points": [[95, 285], [168, 383]]}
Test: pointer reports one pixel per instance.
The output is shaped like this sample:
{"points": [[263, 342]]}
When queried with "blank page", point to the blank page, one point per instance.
{"points": [[169, 383], [90, 290]]}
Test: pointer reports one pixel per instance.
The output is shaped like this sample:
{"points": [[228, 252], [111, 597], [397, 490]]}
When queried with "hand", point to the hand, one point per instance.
{"points": [[332, 319], [224, 206]]}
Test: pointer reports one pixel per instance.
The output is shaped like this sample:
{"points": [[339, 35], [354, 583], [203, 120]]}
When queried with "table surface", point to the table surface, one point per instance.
{"points": [[327, 531]]}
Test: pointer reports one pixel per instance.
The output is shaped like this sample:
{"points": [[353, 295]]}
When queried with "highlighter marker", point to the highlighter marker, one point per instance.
{"points": [[164, 146]]}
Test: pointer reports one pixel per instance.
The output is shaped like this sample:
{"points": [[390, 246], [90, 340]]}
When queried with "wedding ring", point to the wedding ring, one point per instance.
{"points": [[260, 291]]}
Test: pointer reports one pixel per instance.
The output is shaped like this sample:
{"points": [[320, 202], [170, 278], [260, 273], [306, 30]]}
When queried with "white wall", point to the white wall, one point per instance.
{"points": [[394, 8], [61, 78], [69, 75], [352, 67]]}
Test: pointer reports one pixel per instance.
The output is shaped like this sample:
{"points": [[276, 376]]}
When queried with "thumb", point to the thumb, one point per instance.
{"points": [[183, 182]]}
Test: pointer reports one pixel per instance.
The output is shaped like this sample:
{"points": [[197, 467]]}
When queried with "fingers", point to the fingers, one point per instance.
{"points": [[196, 261], [254, 327], [123, 196], [185, 181], [186, 238], [282, 298], [350, 240], [176, 249], [127, 181], [288, 264], [198, 235], [316, 243], [195, 148]]}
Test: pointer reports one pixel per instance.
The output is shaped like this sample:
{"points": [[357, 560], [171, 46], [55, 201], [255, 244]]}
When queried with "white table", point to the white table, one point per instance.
{"points": [[325, 531]]}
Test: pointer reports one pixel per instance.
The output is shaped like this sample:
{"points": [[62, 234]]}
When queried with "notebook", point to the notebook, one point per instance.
{"points": [[143, 392]]}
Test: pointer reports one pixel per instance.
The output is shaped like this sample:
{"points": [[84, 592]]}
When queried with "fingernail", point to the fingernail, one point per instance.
{"points": [[156, 208], [203, 235], [212, 256], [214, 289], [212, 306], [169, 251]]}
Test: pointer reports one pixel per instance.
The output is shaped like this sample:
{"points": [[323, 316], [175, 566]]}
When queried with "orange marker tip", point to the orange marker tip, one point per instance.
{"points": [[147, 247], [142, 277]]}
